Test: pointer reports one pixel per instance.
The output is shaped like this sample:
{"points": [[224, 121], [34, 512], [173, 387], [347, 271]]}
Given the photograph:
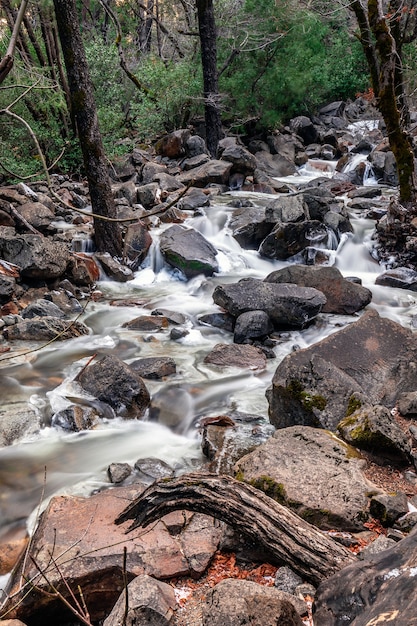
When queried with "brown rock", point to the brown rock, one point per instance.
{"points": [[237, 355]]}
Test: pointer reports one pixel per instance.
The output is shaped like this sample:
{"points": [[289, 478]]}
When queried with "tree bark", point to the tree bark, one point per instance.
{"points": [[208, 43], [287, 537], [107, 234], [6, 63]]}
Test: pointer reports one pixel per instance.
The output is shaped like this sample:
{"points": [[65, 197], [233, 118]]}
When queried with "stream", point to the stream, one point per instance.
{"points": [[53, 461]]}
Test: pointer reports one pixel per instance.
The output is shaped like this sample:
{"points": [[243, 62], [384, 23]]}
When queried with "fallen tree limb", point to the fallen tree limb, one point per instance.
{"points": [[287, 537]]}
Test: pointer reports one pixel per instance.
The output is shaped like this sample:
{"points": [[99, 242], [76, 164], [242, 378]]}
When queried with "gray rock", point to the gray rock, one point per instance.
{"points": [[42, 308], [151, 603], [400, 277], [155, 368], [233, 355], [36, 256], [118, 472], [137, 242], [252, 325], [381, 587], [286, 305], [45, 329], [372, 360], [287, 209], [17, 419], [287, 240], [111, 381], [37, 215], [342, 296], [374, 429], [113, 268], [187, 250], [76, 418], [7, 288], [274, 164], [314, 473], [241, 602], [387, 508], [193, 199], [249, 226], [287, 580], [243, 161], [213, 171], [304, 128]]}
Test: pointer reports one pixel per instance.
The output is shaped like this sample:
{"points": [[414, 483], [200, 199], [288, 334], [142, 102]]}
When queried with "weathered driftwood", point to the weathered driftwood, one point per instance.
{"points": [[287, 537]]}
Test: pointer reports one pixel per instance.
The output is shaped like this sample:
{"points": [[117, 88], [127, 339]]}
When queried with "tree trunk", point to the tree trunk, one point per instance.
{"points": [[208, 43], [287, 537], [6, 63], [107, 234]]}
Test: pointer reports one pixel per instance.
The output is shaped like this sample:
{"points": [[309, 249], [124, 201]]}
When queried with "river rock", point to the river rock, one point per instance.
{"points": [[45, 329], [287, 240], [252, 325], [249, 226], [342, 296], [274, 165], [173, 144], [137, 242], [147, 323], [151, 602], [287, 209], [155, 368], [372, 360], [314, 473], [112, 381], [36, 256], [240, 602], [187, 250], [42, 308], [17, 420], [373, 428], [286, 305], [400, 277], [380, 590], [304, 128], [213, 171], [232, 355], [242, 160], [388, 507], [37, 215], [87, 546], [7, 288], [193, 199], [113, 268]]}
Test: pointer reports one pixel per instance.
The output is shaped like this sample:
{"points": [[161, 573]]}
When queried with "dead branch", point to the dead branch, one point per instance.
{"points": [[287, 537]]}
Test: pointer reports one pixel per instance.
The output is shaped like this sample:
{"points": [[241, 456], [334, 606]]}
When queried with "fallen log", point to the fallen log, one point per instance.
{"points": [[287, 537]]}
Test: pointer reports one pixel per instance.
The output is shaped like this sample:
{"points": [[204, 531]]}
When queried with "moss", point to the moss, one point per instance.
{"points": [[240, 475], [309, 401], [268, 485], [353, 405]]}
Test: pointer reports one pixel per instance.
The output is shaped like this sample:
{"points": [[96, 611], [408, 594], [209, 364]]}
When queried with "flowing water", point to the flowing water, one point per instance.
{"points": [[53, 461]]}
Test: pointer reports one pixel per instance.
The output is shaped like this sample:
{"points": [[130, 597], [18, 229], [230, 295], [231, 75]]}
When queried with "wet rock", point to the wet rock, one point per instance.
{"points": [[387, 508], [342, 295], [88, 546], [252, 325], [187, 250], [223, 321], [112, 381], [371, 361], [287, 240], [242, 356], [193, 199], [76, 418], [113, 268], [17, 420], [400, 277], [45, 329], [287, 209], [174, 317], [239, 602], [151, 469], [243, 161], [173, 407], [286, 305], [118, 472], [380, 588], [137, 242], [155, 368], [313, 473], [147, 323], [36, 256], [249, 227], [83, 269], [374, 429], [151, 602], [42, 308]]}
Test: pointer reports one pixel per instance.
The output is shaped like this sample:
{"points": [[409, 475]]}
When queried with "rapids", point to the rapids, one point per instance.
{"points": [[53, 461]]}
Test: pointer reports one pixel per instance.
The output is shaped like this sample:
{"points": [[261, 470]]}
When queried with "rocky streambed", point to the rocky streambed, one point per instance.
{"points": [[235, 338]]}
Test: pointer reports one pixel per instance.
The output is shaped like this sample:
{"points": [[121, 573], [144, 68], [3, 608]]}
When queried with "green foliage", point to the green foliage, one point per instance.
{"points": [[312, 62]]}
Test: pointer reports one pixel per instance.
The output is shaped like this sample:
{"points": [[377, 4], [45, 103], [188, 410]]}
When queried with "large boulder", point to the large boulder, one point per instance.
{"points": [[274, 164], [77, 541], [136, 246], [313, 473], [286, 305], [187, 250], [287, 240], [45, 329], [112, 381], [243, 356], [241, 602], [343, 296], [249, 227], [379, 590], [213, 171], [372, 360], [36, 256]]}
